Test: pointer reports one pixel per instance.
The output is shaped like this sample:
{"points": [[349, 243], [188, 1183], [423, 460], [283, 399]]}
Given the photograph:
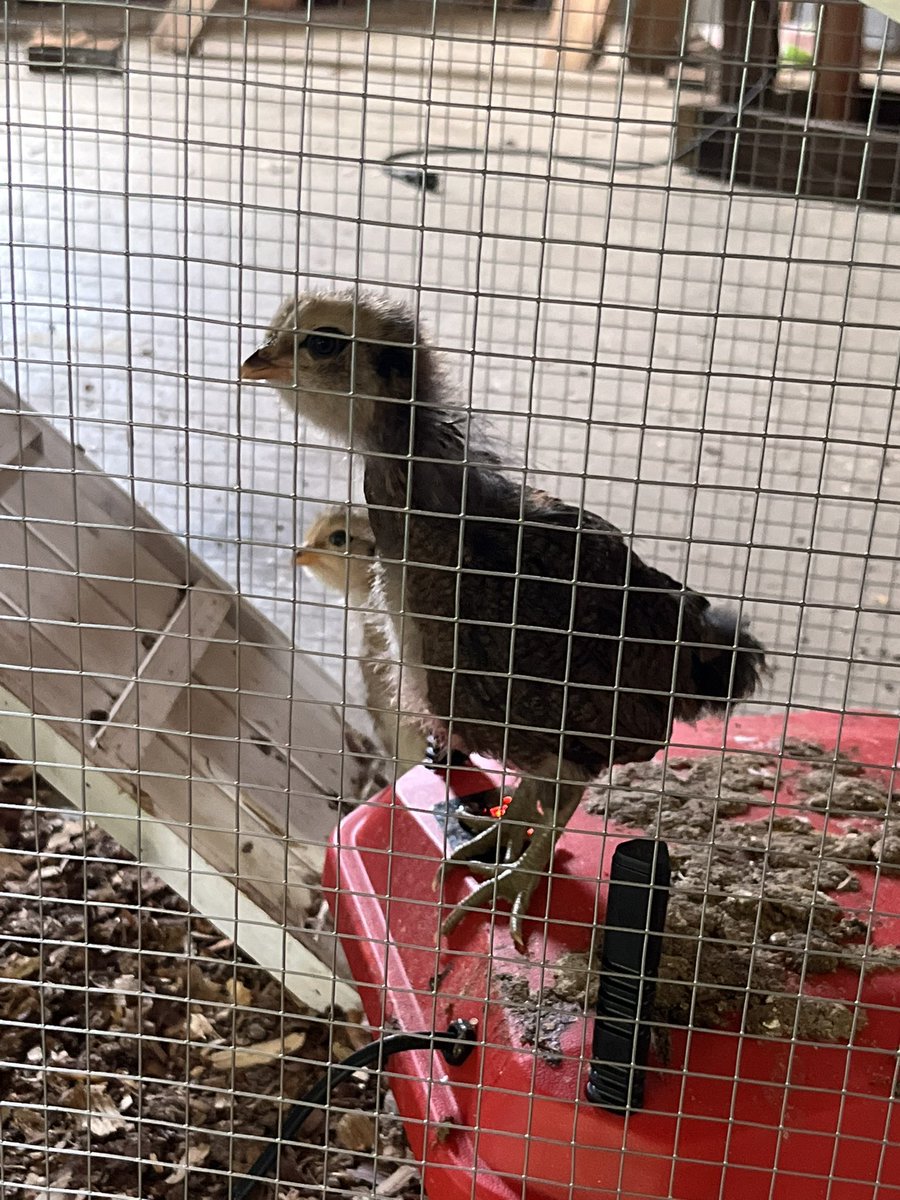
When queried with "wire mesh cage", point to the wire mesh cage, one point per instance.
{"points": [[417, 423]]}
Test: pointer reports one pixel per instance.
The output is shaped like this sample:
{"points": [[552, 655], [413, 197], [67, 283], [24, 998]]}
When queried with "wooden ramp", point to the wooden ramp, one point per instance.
{"points": [[166, 707]]}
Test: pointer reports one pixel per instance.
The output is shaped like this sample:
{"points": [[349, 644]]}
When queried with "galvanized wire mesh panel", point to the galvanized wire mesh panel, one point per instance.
{"points": [[658, 251]]}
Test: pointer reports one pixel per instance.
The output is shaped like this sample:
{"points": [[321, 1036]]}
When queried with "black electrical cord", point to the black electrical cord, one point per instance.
{"points": [[455, 1045], [409, 167]]}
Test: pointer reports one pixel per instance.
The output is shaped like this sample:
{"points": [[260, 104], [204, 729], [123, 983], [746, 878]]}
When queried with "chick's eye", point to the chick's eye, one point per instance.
{"points": [[320, 345], [338, 538]]}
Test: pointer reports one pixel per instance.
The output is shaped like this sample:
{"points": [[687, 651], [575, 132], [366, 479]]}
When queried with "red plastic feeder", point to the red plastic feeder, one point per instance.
{"points": [[728, 1117]]}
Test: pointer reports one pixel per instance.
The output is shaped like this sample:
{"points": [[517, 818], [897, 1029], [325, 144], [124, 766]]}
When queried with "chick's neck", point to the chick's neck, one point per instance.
{"points": [[426, 457]]}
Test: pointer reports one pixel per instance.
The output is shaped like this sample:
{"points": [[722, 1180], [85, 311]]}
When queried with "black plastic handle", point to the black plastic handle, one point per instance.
{"points": [[632, 944]]}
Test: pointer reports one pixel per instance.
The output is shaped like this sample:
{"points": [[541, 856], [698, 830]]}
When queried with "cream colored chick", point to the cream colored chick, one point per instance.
{"points": [[340, 551]]}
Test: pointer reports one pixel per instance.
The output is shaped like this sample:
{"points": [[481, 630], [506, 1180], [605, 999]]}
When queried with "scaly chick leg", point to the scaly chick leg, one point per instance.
{"points": [[540, 804]]}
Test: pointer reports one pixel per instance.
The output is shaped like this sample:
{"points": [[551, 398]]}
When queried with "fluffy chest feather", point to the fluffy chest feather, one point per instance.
{"points": [[408, 650]]}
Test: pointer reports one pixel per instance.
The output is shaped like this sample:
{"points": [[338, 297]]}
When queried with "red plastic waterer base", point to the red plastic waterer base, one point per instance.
{"points": [[727, 1117]]}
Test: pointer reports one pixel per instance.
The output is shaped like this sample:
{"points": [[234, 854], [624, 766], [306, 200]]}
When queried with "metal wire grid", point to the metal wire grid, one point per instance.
{"points": [[673, 305], [738, 388]]}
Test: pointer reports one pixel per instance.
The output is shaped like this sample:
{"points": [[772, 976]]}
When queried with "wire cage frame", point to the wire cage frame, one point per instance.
{"points": [[647, 257]]}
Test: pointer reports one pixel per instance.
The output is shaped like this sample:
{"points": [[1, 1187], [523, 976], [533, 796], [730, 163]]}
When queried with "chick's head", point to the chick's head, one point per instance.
{"points": [[338, 550], [337, 359]]}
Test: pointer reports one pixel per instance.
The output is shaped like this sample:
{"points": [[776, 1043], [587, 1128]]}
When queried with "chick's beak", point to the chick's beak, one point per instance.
{"points": [[305, 557], [257, 366]]}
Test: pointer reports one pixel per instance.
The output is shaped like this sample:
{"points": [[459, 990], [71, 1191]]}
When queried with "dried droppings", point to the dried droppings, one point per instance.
{"points": [[845, 796], [575, 977], [804, 751], [879, 958], [800, 748], [542, 1016], [681, 798], [752, 907], [805, 1017], [856, 847], [887, 851]]}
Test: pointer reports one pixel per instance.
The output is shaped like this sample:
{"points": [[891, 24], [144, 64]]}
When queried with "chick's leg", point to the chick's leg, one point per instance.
{"points": [[544, 805]]}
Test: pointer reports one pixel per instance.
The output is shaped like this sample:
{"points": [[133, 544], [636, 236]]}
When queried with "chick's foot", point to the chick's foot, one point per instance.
{"points": [[520, 845], [502, 838], [513, 877]]}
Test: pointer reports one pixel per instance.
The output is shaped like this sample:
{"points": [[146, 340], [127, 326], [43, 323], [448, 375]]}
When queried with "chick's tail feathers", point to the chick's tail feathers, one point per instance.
{"points": [[727, 664]]}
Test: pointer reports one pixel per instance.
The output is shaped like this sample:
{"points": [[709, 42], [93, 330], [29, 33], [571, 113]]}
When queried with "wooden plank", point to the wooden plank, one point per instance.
{"points": [[284, 682], [87, 541], [88, 629], [211, 743], [77, 510], [280, 710], [194, 786], [318, 978], [70, 501], [37, 579], [210, 737], [234, 744], [178, 787], [33, 666], [210, 768], [181, 25], [167, 668], [20, 446]]}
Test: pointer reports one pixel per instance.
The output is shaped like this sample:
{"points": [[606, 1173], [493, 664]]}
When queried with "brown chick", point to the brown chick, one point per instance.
{"points": [[526, 626], [340, 551]]}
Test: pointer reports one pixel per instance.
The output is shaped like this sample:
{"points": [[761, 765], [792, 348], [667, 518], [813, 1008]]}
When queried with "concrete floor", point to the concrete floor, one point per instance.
{"points": [[715, 372]]}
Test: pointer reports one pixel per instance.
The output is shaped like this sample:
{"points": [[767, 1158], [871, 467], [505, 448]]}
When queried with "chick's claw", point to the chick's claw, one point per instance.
{"points": [[514, 881], [521, 858], [520, 845], [501, 840]]}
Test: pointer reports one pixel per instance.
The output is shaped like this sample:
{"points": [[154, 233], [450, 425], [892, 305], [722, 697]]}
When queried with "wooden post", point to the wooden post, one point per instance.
{"points": [[581, 27], [750, 49], [838, 60], [654, 38], [181, 25]]}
